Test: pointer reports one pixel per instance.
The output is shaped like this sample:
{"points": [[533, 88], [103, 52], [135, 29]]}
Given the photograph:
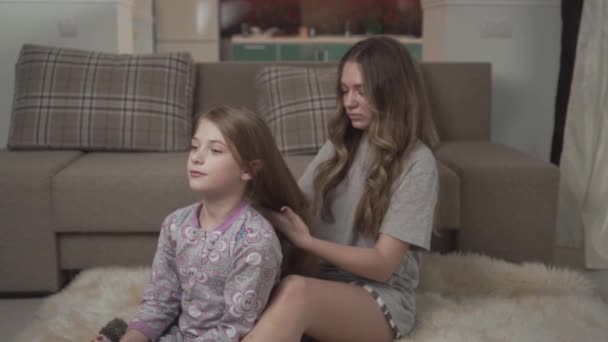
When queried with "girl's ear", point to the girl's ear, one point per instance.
{"points": [[252, 170]]}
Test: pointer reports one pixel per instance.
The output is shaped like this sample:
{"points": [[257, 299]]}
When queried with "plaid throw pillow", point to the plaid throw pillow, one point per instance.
{"points": [[74, 99], [297, 103]]}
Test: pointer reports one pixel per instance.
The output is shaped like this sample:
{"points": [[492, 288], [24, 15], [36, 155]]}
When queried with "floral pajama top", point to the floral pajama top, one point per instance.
{"points": [[209, 285]]}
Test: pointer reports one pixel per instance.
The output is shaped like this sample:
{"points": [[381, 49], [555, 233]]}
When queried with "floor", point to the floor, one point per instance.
{"points": [[16, 313]]}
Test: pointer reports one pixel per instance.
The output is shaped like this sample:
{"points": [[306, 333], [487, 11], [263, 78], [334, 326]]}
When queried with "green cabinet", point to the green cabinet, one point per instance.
{"points": [[334, 52], [415, 49], [312, 52], [297, 52], [328, 52], [254, 52]]}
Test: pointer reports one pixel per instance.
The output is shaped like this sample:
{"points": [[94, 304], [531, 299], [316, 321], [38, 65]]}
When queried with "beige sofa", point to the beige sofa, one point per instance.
{"points": [[69, 210]]}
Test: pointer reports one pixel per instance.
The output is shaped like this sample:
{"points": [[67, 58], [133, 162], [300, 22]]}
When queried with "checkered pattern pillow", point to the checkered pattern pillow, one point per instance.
{"points": [[297, 103], [74, 99]]}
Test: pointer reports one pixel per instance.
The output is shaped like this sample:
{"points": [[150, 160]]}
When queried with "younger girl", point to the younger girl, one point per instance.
{"points": [[217, 260]]}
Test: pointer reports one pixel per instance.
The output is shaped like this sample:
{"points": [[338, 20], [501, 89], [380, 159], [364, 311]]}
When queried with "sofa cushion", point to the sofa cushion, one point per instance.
{"points": [[81, 251], [297, 103], [297, 163], [105, 192], [75, 99], [120, 192]]}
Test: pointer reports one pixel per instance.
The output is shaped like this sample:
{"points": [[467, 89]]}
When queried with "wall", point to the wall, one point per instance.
{"points": [[188, 25], [143, 26], [102, 25], [521, 38]]}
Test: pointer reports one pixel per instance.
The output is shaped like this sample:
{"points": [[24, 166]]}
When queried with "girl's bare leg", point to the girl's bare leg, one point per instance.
{"points": [[325, 310]]}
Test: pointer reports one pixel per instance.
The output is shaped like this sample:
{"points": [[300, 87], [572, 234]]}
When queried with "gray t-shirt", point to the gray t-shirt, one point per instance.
{"points": [[409, 218]]}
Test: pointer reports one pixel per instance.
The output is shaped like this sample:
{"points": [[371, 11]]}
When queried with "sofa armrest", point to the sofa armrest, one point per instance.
{"points": [[28, 247], [508, 200]]}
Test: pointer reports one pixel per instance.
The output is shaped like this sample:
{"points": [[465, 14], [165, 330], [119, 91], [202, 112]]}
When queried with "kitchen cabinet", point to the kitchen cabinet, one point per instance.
{"points": [[322, 48], [312, 52], [254, 52]]}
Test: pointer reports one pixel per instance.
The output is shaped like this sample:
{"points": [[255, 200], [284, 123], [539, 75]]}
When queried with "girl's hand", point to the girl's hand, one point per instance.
{"points": [[292, 226], [134, 336]]}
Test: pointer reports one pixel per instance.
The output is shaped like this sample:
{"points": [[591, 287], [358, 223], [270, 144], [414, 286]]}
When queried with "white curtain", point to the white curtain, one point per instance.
{"points": [[582, 223]]}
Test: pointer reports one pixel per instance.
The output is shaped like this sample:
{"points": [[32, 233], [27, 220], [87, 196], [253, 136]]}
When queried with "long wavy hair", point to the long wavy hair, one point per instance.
{"points": [[272, 186], [395, 91]]}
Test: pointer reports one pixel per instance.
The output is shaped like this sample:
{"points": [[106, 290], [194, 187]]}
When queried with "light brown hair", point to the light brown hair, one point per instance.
{"points": [[272, 186], [395, 91]]}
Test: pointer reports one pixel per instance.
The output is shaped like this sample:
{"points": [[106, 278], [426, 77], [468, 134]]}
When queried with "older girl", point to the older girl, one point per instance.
{"points": [[374, 186]]}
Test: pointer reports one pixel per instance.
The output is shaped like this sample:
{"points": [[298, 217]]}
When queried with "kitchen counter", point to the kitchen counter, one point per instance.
{"points": [[330, 39], [328, 48]]}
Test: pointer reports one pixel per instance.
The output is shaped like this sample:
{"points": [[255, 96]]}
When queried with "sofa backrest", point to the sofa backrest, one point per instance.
{"points": [[460, 93]]}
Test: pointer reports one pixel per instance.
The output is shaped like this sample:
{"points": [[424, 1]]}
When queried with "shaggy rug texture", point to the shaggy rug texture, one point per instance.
{"points": [[460, 298]]}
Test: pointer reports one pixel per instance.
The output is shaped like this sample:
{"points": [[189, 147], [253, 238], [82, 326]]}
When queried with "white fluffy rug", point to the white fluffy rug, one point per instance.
{"points": [[461, 298]]}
